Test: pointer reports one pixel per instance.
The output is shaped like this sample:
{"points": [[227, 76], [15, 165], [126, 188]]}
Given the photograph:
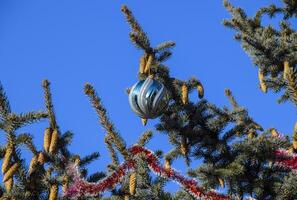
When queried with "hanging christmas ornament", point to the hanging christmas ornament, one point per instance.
{"points": [[148, 98]]}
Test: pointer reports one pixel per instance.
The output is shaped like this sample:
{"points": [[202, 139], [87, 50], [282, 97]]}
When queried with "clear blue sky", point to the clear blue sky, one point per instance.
{"points": [[71, 42]]}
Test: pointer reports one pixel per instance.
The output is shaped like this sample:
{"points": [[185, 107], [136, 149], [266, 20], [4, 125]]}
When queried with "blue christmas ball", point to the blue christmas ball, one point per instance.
{"points": [[148, 98]]}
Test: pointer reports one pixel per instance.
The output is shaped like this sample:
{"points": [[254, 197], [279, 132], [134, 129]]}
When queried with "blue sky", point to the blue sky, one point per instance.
{"points": [[71, 42]]}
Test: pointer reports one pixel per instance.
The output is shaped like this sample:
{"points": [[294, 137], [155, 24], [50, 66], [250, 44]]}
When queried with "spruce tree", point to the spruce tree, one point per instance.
{"points": [[237, 154]]}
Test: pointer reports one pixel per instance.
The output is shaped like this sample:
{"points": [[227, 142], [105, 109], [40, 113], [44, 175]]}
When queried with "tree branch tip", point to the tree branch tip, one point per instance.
{"points": [[125, 9], [89, 89], [45, 83], [228, 92]]}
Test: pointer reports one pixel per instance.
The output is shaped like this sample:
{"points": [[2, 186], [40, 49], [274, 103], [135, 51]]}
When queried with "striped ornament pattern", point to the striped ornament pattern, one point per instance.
{"points": [[148, 98]]}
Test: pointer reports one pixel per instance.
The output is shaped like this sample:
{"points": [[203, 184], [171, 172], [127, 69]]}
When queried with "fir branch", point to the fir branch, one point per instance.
{"points": [[4, 103], [65, 140], [290, 9], [104, 120], [20, 120], [88, 159], [49, 104], [96, 177], [138, 36], [113, 154], [268, 47], [144, 138], [163, 56], [288, 189], [140, 43], [165, 46], [163, 50], [231, 98], [27, 140], [172, 154]]}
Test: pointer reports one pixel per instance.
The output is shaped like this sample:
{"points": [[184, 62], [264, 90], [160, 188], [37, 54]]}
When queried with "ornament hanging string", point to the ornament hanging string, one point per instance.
{"points": [[81, 188]]}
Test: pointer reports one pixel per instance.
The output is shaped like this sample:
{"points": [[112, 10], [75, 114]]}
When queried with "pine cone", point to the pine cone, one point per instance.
{"points": [[252, 134], [286, 69], [263, 85], [8, 184], [184, 94], [11, 171], [65, 183], [41, 158], [126, 197], [200, 90], [33, 163], [294, 144], [167, 165], [54, 141], [184, 146], [47, 139], [142, 64], [274, 132], [148, 64], [6, 159], [222, 182], [53, 192], [132, 183], [77, 161]]}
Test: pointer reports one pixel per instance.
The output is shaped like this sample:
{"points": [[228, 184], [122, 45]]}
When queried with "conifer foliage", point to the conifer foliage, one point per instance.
{"points": [[236, 153], [273, 48]]}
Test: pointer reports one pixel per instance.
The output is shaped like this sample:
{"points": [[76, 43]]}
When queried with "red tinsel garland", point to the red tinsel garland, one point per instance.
{"points": [[286, 159], [80, 187]]}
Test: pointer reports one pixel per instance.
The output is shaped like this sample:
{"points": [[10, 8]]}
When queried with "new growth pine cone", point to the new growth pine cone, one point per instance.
{"points": [[184, 94], [33, 163], [54, 141], [11, 171], [142, 64], [6, 159], [200, 90], [263, 85], [47, 139], [132, 183], [53, 192]]}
